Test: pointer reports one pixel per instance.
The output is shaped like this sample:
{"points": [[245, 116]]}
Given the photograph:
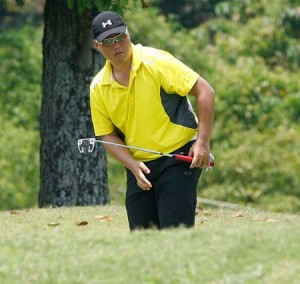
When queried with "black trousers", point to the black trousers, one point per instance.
{"points": [[172, 200]]}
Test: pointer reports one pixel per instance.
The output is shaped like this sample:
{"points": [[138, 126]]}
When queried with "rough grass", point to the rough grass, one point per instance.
{"points": [[94, 245]]}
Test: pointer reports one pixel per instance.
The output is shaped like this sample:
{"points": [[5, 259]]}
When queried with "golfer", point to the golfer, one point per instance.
{"points": [[139, 98]]}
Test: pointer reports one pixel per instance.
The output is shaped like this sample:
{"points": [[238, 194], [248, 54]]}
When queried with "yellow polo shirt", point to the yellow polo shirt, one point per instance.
{"points": [[153, 112]]}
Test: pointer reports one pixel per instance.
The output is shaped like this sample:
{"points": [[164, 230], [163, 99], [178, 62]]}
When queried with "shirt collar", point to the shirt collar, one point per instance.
{"points": [[107, 74], [136, 57]]}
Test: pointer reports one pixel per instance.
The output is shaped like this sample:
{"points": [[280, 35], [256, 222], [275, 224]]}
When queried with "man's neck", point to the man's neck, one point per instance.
{"points": [[122, 67], [121, 72]]}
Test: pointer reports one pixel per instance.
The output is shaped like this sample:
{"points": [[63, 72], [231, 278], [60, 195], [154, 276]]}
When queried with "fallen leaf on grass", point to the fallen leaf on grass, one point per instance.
{"points": [[201, 223], [239, 215], [82, 223], [53, 224], [202, 216], [104, 218], [202, 211], [207, 214]]}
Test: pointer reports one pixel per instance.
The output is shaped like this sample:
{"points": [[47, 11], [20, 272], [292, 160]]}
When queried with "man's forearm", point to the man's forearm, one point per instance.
{"points": [[121, 154], [205, 113], [124, 156], [204, 95]]}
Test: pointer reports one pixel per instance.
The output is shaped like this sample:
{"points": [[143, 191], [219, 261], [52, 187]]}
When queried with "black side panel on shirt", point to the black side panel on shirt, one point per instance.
{"points": [[120, 133], [178, 109]]}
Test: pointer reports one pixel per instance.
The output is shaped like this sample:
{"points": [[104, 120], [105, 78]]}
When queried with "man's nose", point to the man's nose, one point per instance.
{"points": [[116, 44]]}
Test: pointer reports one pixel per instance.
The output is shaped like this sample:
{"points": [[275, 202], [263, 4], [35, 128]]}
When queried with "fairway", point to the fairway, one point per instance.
{"points": [[93, 245]]}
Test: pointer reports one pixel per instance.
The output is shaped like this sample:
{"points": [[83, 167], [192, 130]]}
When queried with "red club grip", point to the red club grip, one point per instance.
{"points": [[184, 158], [190, 159]]}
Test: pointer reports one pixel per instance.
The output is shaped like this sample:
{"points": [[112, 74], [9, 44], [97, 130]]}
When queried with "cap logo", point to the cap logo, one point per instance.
{"points": [[108, 23]]}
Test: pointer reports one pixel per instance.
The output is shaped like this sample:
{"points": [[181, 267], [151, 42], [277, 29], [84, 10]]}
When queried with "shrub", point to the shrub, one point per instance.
{"points": [[21, 62], [19, 163], [260, 167]]}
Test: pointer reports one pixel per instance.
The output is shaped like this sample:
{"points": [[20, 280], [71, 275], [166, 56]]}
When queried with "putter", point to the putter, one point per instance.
{"points": [[89, 144]]}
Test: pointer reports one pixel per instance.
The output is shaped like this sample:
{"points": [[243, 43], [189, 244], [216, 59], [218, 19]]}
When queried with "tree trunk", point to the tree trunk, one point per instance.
{"points": [[69, 178]]}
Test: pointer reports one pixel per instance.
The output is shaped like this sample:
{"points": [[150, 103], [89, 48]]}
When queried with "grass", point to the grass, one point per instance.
{"points": [[93, 245]]}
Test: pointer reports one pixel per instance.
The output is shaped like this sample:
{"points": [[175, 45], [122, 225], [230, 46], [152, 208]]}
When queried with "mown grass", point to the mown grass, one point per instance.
{"points": [[94, 245]]}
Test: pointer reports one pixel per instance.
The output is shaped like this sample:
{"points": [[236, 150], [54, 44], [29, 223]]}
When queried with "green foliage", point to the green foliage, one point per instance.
{"points": [[240, 10], [262, 36], [19, 164], [290, 19], [16, 13], [257, 107], [82, 5], [254, 166], [169, 36], [249, 54], [291, 107], [252, 95], [257, 99], [20, 56], [21, 64]]}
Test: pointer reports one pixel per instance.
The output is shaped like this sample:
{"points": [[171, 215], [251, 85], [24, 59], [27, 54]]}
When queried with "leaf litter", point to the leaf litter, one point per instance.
{"points": [[103, 218], [82, 223]]}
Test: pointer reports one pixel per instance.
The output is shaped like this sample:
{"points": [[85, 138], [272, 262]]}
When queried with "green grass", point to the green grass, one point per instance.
{"points": [[49, 246]]}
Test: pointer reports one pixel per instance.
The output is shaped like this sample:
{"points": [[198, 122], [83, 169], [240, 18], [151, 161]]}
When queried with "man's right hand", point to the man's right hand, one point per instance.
{"points": [[139, 171]]}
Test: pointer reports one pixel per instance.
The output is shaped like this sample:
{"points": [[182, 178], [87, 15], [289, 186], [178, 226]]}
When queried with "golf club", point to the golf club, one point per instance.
{"points": [[89, 144]]}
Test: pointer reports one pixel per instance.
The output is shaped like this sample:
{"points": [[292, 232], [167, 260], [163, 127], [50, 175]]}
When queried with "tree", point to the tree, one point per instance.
{"points": [[69, 62]]}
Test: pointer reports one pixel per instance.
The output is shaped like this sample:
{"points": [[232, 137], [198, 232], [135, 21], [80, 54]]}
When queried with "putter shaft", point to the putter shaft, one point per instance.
{"points": [[184, 158]]}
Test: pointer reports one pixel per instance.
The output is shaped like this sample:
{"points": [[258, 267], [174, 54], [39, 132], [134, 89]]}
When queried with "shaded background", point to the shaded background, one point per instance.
{"points": [[248, 50]]}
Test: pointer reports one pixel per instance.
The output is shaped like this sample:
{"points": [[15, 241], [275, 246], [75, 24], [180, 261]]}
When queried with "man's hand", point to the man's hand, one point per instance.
{"points": [[139, 171], [124, 156], [201, 154]]}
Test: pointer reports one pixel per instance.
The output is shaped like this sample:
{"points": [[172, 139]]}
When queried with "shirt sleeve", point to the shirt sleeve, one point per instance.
{"points": [[100, 117], [175, 76]]}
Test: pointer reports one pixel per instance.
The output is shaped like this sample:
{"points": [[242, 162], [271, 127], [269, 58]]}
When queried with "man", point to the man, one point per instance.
{"points": [[139, 98]]}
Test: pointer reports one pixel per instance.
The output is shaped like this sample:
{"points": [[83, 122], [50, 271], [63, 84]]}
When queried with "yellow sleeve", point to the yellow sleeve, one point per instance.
{"points": [[100, 117], [175, 76]]}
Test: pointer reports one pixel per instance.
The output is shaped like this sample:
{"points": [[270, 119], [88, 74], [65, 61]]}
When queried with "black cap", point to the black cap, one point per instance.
{"points": [[107, 23]]}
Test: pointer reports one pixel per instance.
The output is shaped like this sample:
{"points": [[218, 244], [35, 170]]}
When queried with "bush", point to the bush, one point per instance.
{"points": [[260, 167], [21, 66], [21, 60], [256, 79], [257, 109], [19, 163]]}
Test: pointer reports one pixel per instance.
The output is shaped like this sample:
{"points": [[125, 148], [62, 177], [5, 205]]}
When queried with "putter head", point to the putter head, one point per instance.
{"points": [[212, 159], [212, 162], [86, 145]]}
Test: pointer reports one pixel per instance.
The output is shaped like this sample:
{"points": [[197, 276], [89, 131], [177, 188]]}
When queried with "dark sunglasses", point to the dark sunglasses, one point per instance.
{"points": [[111, 40]]}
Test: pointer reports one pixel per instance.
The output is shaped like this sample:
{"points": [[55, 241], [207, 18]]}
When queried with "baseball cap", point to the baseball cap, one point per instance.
{"points": [[107, 23]]}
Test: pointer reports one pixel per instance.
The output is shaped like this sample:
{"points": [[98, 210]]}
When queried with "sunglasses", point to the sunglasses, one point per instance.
{"points": [[111, 40]]}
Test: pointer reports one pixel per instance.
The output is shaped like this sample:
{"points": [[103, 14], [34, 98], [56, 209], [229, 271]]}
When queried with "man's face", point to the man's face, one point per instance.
{"points": [[116, 48]]}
